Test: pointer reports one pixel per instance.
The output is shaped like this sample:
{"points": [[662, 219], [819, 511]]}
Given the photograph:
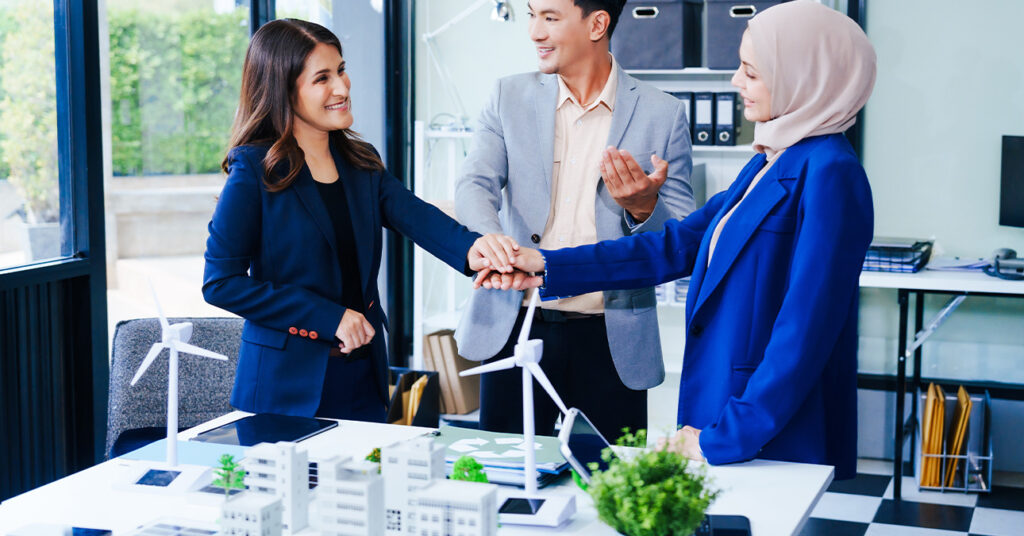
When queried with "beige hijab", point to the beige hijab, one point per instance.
{"points": [[819, 67]]}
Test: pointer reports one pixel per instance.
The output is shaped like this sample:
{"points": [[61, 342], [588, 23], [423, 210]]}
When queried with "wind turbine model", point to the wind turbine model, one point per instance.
{"points": [[534, 508], [175, 338]]}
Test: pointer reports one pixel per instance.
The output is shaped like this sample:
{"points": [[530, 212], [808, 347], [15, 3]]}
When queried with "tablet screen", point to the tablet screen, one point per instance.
{"points": [[586, 443]]}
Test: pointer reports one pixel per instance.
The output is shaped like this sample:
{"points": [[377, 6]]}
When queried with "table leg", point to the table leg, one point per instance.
{"points": [[916, 385], [901, 388]]}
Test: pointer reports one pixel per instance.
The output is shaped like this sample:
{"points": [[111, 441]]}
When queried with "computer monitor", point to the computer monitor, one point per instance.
{"points": [[1011, 192]]}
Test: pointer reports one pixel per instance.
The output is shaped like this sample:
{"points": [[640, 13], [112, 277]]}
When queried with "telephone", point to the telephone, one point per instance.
{"points": [[1006, 265]]}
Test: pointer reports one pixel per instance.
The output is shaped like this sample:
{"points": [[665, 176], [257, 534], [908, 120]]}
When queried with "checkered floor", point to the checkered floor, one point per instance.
{"points": [[863, 506]]}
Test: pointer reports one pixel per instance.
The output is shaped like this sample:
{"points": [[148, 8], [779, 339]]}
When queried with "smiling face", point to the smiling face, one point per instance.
{"points": [[322, 92], [562, 35], [757, 100]]}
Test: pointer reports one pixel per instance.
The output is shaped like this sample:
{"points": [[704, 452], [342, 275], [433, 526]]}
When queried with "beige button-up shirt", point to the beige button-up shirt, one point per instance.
{"points": [[581, 133]]}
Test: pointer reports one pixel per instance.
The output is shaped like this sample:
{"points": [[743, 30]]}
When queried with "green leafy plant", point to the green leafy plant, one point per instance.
{"points": [[630, 439], [230, 475], [651, 494], [374, 455], [468, 469]]}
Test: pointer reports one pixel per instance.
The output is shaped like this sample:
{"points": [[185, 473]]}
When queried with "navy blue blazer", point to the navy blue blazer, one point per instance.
{"points": [[271, 259], [770, 365]]}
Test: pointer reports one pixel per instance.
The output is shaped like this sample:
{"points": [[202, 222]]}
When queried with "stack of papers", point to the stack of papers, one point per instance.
{"points": [[886, 254], [502, 455]]}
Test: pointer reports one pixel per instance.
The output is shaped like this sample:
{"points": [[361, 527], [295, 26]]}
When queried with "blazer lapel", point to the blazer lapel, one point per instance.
{"points": [[544, 106], [740, 227], [626, 96], [305, 188]]}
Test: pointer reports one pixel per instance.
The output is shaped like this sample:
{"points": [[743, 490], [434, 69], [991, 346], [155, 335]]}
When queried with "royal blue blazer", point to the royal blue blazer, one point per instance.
{"points": [[770, 364], [271, 259]]}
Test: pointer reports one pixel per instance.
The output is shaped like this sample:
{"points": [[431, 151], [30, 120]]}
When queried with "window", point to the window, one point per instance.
{"points": [[30, 200]]}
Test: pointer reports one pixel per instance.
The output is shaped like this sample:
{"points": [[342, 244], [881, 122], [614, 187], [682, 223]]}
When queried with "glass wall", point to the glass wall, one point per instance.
{"points": [[30, 204]]}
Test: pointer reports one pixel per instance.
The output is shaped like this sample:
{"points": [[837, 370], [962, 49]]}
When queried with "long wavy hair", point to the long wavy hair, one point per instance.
{"points": [[273, 63]]}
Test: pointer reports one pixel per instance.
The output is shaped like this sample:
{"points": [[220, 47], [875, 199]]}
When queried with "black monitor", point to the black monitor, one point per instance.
{"points": [[1011, 191]]}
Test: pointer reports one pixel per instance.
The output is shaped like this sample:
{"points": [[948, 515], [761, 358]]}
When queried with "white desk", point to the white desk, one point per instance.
{"points": [[777, 497], [921, 283]]}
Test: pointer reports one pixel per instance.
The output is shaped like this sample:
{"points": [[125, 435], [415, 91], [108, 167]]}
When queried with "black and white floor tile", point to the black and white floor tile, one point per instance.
{"points": [[864, 507]]}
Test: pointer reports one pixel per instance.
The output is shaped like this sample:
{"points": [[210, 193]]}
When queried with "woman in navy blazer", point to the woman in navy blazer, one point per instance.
{"points": [[770, 364], [295, 241]]}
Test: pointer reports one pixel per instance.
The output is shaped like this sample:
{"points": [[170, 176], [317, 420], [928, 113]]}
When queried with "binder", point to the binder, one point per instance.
{"points": [[703, 118], [726, 118], [465, 390], [437, 353], [429, 364], [957, 433], [687, 98]]}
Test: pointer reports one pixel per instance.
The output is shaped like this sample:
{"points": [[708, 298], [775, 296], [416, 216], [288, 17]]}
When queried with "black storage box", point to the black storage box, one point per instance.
{"points": [[724, 24], [429, 410], [658, 35]]}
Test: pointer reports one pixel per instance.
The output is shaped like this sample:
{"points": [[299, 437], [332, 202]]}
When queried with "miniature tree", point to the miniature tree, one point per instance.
{"points": [[230, 475], [374, 455], [468, 469]]}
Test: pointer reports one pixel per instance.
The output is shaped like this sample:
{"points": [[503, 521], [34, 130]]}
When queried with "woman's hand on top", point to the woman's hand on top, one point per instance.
{"points": [[353, 331], [493, 252]]}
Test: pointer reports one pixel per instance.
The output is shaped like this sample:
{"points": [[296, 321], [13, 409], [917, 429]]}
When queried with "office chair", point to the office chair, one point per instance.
{"points": [[137, 415]]}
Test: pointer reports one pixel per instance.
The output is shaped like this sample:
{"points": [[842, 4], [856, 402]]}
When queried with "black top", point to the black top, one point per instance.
{"points": [[333, 195]]}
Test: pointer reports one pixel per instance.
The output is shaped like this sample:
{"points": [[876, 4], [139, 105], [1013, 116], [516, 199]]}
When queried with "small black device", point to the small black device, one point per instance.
{"points": [[1006, 265], [1011, 185], [581, 443], [719, 525], [265, 428]]}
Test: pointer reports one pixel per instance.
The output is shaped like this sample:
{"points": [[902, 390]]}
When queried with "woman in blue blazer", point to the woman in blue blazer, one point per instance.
{"points": [[295, 241], [770, 365]]}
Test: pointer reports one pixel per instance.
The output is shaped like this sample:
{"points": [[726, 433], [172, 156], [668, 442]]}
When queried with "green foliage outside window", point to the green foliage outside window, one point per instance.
{"points": [[174, 82]]}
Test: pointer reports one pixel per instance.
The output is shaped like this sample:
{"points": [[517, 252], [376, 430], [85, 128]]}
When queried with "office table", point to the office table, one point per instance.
{"points": [[777, 497], [957, 284]]}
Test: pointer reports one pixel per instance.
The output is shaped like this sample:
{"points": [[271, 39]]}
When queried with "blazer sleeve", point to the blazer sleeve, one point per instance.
{"points": [[236, 232], [484, 172], [425, 224], [675, 198], [629, 262], [834, 230]]}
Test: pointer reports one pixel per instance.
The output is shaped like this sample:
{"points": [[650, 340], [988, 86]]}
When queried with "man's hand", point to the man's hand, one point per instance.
{"points": [[631, 188], [528, 260], [492, 252]]}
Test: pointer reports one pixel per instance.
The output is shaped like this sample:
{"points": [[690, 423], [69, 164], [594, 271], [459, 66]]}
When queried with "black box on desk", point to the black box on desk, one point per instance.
{"points": [[428, 411], [724, 24], [658, 35]]}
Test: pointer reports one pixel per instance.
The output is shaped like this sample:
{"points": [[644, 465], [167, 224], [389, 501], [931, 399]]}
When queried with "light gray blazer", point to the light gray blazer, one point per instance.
{"points": [[505, 187]]}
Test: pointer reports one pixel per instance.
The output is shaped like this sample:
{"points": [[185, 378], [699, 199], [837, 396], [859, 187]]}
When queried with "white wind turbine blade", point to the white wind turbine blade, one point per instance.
{"points": [[163, 320], [503, 364], [524, 333], [195, 350], [153, 352], [538, 374]]}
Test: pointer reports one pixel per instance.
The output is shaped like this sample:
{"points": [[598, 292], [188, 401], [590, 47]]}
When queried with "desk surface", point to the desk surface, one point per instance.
{"points": [[942, 281], [776, 496]]}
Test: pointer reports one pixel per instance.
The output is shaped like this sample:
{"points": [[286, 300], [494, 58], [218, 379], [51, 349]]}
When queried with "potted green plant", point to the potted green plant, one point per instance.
{"points": [[653, 493], [28, 121]]}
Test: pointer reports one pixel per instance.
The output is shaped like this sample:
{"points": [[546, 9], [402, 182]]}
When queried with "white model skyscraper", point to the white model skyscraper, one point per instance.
{"points": [[283, 471], [349, 498], [407, 466]]}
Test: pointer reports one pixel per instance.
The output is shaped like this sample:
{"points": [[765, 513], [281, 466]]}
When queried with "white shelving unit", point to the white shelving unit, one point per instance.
{"points": [[438, 292]]}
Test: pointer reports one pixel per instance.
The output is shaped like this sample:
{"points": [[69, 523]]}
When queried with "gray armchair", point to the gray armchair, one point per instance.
{"points": [[138, 415]]}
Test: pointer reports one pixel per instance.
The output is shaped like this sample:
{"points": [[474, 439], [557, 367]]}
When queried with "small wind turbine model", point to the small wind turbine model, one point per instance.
{"points": [[175, 338], [542, 509]]}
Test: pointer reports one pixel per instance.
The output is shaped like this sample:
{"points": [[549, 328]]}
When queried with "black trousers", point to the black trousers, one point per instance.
{"points": [[579, 364]]}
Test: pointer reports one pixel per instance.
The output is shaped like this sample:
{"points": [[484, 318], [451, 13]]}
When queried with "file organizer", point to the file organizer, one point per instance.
{"points": [[973, 473]]}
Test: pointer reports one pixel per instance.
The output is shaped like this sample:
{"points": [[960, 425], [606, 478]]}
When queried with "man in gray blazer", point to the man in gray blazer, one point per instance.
{"points": [[575, 153]]}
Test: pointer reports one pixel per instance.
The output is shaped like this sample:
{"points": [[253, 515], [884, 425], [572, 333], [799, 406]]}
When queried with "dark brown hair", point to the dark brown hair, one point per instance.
{"points": [[273, 63]]}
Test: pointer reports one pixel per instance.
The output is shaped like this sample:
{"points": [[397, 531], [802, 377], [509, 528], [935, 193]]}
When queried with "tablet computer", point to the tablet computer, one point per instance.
{"points": [[581, 444], [265, 428]]}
